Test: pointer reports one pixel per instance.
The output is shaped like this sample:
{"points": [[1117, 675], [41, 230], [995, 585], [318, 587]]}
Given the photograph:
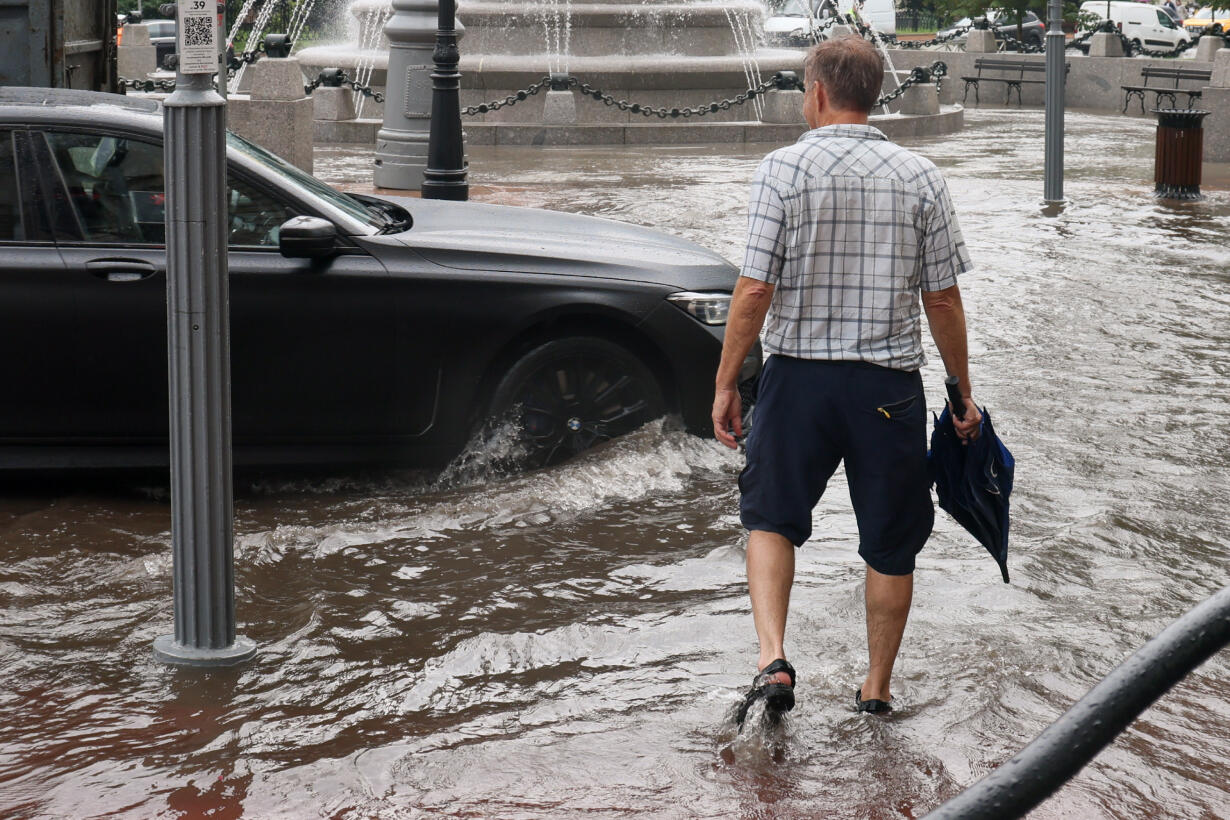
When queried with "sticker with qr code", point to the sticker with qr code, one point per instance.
{"points": [[198, 37]]}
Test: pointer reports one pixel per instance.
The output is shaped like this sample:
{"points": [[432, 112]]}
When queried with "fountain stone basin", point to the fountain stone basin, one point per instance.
{"points": [[657, 53]]}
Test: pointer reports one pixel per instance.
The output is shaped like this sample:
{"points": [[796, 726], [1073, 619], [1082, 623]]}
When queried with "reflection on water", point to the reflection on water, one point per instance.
{"points": [[573, 640]]}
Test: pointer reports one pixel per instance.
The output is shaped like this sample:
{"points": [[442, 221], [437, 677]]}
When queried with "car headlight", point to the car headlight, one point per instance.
{"points": [[709, 308]]}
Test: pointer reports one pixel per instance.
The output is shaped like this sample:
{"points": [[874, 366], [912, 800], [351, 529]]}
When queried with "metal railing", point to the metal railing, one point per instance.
{"points": [[1065, 746]]}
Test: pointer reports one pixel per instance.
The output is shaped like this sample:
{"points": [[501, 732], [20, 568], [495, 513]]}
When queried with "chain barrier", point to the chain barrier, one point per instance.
{"points": [[511, 99], [782, 81], [246, 58], [336, 78], [918, 76], [1081, 41], [1013, 44], [148, 86], [937, 41], [565, 82]]}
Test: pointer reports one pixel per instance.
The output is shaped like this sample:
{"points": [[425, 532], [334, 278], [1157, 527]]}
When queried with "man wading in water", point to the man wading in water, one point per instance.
{"points": [[846, 230]]}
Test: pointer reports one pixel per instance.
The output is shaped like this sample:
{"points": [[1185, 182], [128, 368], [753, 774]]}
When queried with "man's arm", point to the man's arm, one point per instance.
{"points": [[946, 318], [748, 307]]}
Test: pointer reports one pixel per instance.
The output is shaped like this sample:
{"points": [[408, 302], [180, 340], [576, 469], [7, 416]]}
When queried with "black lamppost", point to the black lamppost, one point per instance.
{"points": [[445, 174]]}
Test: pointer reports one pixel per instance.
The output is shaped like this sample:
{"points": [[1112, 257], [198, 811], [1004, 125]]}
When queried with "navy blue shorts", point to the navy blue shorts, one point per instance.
{"points": [[810, 415]]}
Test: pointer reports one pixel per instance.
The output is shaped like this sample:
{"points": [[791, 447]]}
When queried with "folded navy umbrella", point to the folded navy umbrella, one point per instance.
{"points": [[973, 480]]}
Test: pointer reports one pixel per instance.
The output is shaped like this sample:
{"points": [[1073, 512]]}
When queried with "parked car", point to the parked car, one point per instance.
{"points": [[423, 320], [1032, 31], [800, 23], [162, 37], [1142, 24], [1207, 16]]}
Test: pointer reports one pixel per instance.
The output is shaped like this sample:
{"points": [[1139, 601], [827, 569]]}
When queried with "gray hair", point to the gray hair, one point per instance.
{"points": [[850, 69]]}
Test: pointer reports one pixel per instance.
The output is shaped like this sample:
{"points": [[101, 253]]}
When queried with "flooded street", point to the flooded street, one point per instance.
{"points": [[571, 642]]}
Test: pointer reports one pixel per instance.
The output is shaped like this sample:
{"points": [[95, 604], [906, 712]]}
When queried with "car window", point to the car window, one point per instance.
{"points": [[1163, 19], [297, 178], [10, 207], [112, 191], [255, 217], [111, 188]]}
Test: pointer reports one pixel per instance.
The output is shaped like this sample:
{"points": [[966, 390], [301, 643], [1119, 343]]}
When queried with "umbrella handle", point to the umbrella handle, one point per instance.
{"points": [[954, 396]]}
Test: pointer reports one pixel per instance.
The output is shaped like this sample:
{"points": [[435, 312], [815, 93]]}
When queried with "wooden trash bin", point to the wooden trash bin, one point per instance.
{"points": [[1180, 151]]}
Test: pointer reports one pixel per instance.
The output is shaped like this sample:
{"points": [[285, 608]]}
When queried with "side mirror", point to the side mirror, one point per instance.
{"points": [[307, 237]]}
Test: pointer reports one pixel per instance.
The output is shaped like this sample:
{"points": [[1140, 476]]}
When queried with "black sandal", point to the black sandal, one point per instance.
{"points": [[778, 697], [871, 706]]}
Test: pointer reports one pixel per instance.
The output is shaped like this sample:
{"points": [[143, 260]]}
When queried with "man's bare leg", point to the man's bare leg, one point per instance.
{"points": [[770, 574], [888, 607]]}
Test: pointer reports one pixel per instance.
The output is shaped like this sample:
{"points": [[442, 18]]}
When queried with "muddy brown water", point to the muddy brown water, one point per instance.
{"points": [[570, 642]]}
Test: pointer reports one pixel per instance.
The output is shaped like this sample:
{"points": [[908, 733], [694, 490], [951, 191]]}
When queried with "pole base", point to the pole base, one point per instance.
{"points": [[1188, 193], [168, 651]]}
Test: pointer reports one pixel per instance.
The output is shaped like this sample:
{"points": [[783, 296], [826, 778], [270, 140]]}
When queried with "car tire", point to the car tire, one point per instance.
{"points": [[1136, 48], [570, 394], [1036, 41]]}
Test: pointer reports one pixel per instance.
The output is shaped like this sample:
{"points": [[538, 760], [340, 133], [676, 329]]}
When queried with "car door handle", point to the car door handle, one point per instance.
{"points": [[121, 270]]}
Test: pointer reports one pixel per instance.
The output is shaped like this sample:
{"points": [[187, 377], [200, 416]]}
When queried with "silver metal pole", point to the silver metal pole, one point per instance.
{"points": [[1056, 76], [198, 335]]}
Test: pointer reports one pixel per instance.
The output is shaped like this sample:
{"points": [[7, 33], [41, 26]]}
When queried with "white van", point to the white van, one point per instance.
{"points": [[881, 15], [1143, 24], [799, 23]]}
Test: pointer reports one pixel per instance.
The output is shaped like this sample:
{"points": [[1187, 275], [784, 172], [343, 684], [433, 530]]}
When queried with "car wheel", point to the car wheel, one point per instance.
{"points": [[1136, 48], [1036, 40], [567, 395]]}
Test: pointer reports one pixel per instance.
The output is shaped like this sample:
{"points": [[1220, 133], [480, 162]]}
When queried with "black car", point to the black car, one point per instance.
{"points": [[1031, 32], [428, 319]]}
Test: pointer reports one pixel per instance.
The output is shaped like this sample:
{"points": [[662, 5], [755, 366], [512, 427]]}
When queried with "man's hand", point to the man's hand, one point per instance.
{"points": [[946, 318], [748, 306], [727, 416], [968, 427]]}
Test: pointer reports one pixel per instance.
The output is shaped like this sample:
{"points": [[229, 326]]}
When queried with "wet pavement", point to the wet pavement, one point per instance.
{"points": [[571, 641]]}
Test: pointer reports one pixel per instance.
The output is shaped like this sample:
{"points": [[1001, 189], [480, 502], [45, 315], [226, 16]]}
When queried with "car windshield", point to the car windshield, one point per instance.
{"points": [[1209, 13], [347, 204], [794, 8]]}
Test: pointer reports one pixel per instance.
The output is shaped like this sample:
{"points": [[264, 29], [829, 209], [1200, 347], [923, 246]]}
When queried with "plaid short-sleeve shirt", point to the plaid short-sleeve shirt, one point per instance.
{"points": [[849, 228]]}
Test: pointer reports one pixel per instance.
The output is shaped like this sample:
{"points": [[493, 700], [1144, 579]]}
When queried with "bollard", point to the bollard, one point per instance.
{"points": [[277, 113], [560, 106], [980, 39], [136, 57], [1180, 153], [332, 101], [1208, 46], [198, 350]]}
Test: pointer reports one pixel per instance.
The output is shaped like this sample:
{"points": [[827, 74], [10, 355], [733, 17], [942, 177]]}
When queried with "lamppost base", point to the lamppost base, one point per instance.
{"points": [[168, 651], [401, 158]]}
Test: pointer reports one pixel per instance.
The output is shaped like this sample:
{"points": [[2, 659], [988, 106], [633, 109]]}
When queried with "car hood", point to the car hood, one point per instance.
{"points": [[474, 236]]}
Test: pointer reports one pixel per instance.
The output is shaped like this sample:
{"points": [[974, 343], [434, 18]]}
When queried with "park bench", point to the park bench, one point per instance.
{"points": [[1162, 74], [1009, 72]]}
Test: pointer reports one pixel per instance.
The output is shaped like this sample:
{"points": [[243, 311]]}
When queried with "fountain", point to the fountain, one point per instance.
{"points": [[656, 53]]}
